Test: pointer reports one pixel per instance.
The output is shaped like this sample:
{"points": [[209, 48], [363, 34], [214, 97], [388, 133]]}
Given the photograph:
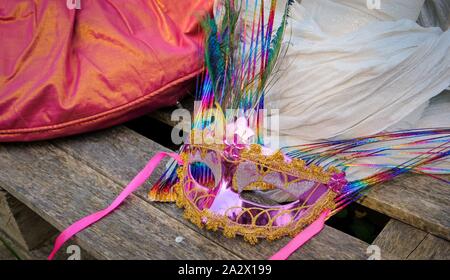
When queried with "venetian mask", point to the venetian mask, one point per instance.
{"points": [[213, 179]]}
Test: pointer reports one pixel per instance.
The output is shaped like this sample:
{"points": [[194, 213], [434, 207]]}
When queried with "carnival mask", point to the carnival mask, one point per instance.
{"points": [[212, 182]]}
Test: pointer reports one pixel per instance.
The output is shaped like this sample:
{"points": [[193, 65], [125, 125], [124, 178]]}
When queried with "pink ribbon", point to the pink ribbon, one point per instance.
{"points": [[302, 237], [93, 218], [140, 179]]}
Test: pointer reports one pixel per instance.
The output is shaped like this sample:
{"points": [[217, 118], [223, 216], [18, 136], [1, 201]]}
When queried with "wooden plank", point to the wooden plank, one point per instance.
{"points": [[420, 201], [21, 224], [399, 239], [164, 115], [431, 248], [41, 252], [332, 244], [120, 153], [5, 253], [61, 190]]}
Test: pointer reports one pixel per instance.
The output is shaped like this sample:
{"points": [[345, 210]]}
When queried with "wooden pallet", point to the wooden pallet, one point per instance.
{"points": [[63, 180]]}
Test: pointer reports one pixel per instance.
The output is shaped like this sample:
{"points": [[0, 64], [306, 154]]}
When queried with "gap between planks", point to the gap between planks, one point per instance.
{"points": [[407, 242]]}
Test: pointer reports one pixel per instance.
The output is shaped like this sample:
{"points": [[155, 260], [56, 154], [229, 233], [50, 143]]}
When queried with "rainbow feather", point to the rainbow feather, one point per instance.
{"points": [[421, 148], [236, 73]]}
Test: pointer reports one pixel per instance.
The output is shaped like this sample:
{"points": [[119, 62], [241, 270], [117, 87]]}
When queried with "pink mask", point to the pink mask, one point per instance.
{"points": [[212, 183]]}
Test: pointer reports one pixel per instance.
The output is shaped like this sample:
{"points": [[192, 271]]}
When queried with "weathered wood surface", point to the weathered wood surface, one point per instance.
{"points": [[39, 253], [5, 253], [399, 239], [164, 115], [61, 189], [417, 200], [120, 153], [21, 224], [25, 233], [407, 242], [431, 248], [68, 179], [420, 201]]}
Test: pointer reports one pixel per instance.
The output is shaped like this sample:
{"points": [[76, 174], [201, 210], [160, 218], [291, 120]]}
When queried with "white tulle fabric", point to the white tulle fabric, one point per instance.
{"points": [[352, 71]]}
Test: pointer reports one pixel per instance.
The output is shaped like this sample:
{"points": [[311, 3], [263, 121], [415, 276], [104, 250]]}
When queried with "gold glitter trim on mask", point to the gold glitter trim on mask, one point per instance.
{"points": [[251, 233], [296, 167], [275, 162]]}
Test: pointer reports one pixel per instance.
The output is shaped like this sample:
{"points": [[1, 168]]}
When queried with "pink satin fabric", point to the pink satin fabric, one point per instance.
{"points": [[65, 71]]}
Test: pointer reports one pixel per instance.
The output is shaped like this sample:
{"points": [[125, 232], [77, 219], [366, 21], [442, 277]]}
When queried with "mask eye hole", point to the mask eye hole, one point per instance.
{"points": [[202, 174]]}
